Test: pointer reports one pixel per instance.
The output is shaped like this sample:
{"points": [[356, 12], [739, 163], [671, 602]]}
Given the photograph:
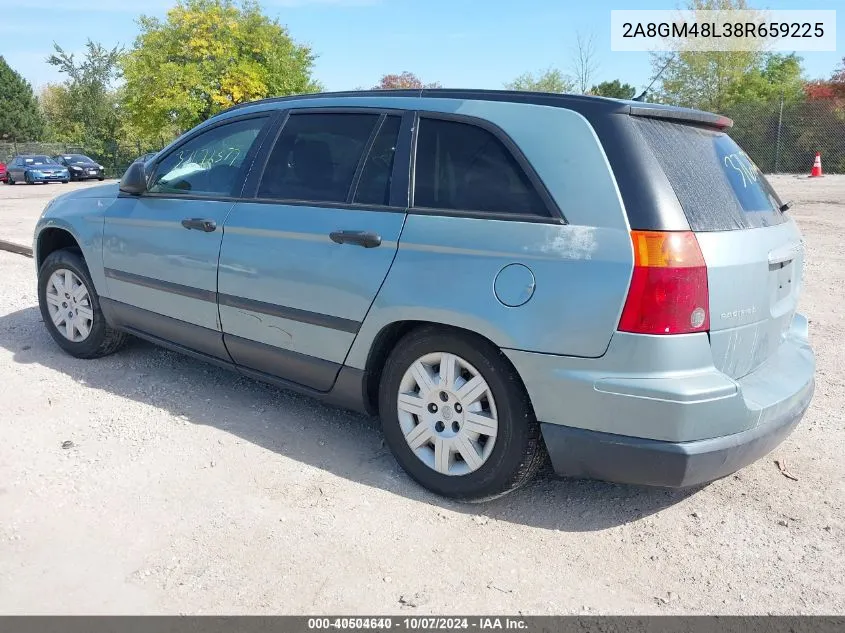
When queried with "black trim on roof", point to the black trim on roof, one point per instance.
{"points": [[585, 104], [535, 98]]}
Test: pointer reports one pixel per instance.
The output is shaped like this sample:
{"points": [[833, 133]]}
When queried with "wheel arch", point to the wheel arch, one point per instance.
{"points": [[386, 340], [52, 239]]}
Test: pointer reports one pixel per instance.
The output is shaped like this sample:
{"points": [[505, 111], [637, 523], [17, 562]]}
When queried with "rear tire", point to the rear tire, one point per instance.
{"points": [[67, 268], [9, 180], [473, 432], [27, 179]]}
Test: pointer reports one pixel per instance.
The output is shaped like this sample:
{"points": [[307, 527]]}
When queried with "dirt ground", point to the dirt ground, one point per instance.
{"points": [[191, 490]]}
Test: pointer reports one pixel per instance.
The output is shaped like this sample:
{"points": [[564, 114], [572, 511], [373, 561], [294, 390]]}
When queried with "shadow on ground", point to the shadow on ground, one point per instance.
{"points": [[346, 444]]}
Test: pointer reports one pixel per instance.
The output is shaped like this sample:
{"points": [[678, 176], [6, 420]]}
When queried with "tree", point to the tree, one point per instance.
{"points": [[775, 76], [20, 118], [550, 80], [404, 80], [584, 64], [615, 89], [716, 80], [84, 109], [839, 74], [57, 107], [205, 57], [824, 89]]}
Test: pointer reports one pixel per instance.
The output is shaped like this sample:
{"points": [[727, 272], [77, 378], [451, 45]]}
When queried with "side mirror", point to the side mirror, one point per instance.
{"points": [[134, 181]]}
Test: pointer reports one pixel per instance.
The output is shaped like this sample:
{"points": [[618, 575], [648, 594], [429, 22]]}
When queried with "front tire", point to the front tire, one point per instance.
{"points": [[70, 307], [456, 416]]}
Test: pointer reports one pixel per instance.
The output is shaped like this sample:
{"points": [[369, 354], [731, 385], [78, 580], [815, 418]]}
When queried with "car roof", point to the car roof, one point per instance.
{"points": [[588, 105]]}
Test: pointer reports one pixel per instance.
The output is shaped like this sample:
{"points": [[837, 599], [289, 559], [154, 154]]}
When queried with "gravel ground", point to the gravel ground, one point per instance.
{"points": [[191, 490]]}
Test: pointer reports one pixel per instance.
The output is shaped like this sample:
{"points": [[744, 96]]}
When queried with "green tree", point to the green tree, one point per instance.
{"points": [[20, 117], [550, 80], [84, 109], [57, 107], [206, 56], [615, 89], [716, 80], [403, 80], [773, 77]]}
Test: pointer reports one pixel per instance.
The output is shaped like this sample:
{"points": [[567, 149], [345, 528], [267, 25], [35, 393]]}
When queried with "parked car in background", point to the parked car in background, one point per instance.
{"points": [[496, 274], [81, 167], [34, 168], [2, 172]]}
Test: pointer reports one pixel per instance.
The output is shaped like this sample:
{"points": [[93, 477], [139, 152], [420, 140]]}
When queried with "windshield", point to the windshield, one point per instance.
{"points": [[77, 159], [718, 185], [38, 160]]}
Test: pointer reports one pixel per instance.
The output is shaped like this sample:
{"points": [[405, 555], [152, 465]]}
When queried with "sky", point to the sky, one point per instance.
{"points": [[459, 43]]}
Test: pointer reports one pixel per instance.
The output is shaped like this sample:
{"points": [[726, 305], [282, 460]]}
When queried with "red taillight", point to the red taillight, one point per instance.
{"points": [[668, 293]]}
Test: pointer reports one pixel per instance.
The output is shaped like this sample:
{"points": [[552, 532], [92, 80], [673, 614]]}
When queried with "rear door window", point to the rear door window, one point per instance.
{"points": [[718, 185], [374, 185], [316, 157], [464, 167]]}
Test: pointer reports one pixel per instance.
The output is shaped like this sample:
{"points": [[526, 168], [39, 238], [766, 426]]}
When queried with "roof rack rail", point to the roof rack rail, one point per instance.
{"points": [[582, 103]]}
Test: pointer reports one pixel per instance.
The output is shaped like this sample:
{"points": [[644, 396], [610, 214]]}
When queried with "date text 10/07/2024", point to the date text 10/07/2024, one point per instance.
{"points": [[419, 623]]}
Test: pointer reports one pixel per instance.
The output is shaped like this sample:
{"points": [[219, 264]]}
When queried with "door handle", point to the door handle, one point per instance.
{"points": [[199, 224], [359, 238]]}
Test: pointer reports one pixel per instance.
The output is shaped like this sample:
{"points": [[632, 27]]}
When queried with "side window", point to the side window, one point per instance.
{"points": [[374, 186], [315, 157], [464, 167], [208, 164]]}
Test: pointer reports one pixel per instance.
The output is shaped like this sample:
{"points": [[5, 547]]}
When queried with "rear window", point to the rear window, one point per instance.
{"points": [[718, 185]]}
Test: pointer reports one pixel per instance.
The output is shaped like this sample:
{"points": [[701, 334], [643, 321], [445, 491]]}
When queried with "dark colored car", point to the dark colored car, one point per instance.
{"points": [[2, 172], [81, 167], [33, 168]]}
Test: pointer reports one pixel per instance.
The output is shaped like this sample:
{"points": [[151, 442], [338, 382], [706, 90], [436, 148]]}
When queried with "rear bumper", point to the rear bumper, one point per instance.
{"points": [[655, 411], [631, 460]]}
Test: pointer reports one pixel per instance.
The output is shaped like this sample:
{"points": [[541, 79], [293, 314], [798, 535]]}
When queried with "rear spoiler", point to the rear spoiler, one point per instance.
{"points": [[682, 115]]}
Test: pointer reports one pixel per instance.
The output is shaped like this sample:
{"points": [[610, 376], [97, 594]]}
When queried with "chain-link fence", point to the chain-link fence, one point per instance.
{"points": [[784, 137], [780, 137], [116, 157]]}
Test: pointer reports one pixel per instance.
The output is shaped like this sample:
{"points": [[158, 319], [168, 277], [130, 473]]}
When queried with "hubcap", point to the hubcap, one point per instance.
{"points": [[69, 305], [447, 414]]}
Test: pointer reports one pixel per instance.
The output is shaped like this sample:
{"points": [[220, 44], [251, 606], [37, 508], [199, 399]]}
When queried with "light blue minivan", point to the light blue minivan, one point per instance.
{"points": [[500, 276]]}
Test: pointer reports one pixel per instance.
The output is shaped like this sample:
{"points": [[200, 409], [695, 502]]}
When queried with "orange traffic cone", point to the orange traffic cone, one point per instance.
{"points": [[816, 172]]}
